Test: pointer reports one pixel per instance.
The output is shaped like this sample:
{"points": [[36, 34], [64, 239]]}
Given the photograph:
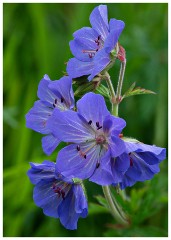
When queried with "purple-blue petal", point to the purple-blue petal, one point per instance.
{"points": [[37, 117], [67, 214], [149, 153], [81, 206], [49, 144], [86, 33], [122, 163], [117, 126], [119, 166], [45, 170], [117, 146], [101, 61], [93, 108], [127, 182], [68, 127], [44, 92], [103, 174], [45, 197], [140, 170], [79, 45], [107, 124], [76, 165], [99, 21], [62, 88], [116, 27], [77, 68]]}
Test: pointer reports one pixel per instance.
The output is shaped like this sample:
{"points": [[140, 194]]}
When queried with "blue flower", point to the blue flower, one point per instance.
{"points": [[94, 136], [59, 197], [52, 94], [92, 46], [143, 162]]}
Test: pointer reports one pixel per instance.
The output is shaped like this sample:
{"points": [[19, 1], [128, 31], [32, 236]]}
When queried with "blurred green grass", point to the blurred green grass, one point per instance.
{"points": [[36, 41]]}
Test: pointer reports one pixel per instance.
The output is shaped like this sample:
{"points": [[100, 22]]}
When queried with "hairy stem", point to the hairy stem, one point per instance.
{"points": [[119, 86], [111, 90], [115, 209]]}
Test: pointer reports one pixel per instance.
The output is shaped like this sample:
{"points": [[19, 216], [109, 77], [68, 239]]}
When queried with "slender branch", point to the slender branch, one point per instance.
{"points": [[119, 86], [111, 90], [115, 209], [121, 77]]}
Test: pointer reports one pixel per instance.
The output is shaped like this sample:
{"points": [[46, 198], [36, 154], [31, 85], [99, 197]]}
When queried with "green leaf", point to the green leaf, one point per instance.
{"points": [[104, 91], [85, 87], [136, 91], [145, 231], [102, 201], [121, 199], [96, 209]]}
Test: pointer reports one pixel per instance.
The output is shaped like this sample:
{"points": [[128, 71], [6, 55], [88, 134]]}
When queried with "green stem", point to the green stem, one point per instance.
{"points": [[115, 209], [111, 90], [119, 86]]}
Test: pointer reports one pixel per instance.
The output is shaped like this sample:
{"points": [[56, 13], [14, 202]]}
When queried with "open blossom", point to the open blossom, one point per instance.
{"points": [[52, 95], [91, 47], [94, 136], [143, 162], [59, 197]]}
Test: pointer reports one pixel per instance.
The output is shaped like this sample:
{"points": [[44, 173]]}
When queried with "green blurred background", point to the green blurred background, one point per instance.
{"points": [[36, 41]]}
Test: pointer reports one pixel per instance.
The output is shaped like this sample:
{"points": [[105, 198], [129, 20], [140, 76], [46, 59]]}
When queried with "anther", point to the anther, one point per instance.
{"points": [[62, 99], [63, 194], [55, 101], [85, 156], [90, 122], [54, 105], [97, 124], [120, 135], [99, 128], [97, 165], [78, 148], [90, 55], [131, 162], [99, 37]]}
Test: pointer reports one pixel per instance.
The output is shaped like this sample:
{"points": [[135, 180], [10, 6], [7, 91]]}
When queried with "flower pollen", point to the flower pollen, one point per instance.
{"points": [[100, 139]]}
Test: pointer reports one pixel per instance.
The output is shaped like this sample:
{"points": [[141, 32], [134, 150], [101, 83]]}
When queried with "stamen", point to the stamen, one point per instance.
{"points": [[97, 124], [55, 101], [91, 53], [99, 37], [131, 162], [62, 99], [100, 139], [88, 51], [54, 105], [97, 165], [90, 122], [58, 191], [63, 194], [78, 148], [82, 154]]}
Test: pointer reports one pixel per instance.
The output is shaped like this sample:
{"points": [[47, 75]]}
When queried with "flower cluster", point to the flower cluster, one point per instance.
{"points": [[95, 146], [92, 47]]}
